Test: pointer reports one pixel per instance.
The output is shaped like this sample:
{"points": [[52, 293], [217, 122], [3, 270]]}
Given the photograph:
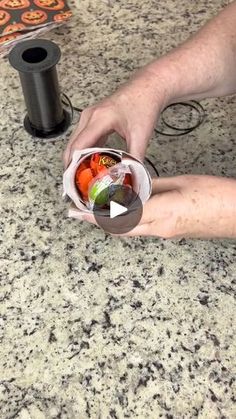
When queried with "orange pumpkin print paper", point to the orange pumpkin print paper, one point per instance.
{"points": [[25, 17], [9, 37], [15, 27], [14, 4], [4, 17], [60, 17], [50, 4], [34, 17]]}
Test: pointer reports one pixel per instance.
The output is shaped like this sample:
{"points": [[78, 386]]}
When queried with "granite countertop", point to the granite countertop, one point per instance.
{"points": [[93, 326]]}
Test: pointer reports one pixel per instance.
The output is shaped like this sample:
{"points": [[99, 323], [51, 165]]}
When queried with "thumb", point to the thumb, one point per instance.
{"points": [[88, 137]]}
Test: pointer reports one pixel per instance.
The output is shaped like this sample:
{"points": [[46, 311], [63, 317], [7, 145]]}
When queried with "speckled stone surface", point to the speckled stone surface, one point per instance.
{"points": [[98, 327]]}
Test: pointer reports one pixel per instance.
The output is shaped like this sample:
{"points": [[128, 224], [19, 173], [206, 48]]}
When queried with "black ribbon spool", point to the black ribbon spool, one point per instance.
{"points": [[36, 60]]}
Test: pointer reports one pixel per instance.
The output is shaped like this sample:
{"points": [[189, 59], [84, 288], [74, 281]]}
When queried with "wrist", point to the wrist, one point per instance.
{"points": [[164, 80], [154, 85]]}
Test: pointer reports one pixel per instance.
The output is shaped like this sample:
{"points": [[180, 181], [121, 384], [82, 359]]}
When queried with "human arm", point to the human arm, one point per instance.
{"points": [[203, 66], [187, 206]]}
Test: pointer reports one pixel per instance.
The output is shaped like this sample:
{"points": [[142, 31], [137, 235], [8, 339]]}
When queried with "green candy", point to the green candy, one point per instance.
{"points": [[99, 193]]}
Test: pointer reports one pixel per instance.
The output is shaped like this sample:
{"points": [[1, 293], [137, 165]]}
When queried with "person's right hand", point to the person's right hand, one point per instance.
{"points": [[131, 112]]}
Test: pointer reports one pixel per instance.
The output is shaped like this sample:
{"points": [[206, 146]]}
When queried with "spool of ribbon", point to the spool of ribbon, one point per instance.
{"points": [[36, 61]]}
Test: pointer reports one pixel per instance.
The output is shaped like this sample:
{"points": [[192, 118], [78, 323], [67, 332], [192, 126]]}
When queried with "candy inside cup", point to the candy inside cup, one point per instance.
{"points": [[96, 173]]}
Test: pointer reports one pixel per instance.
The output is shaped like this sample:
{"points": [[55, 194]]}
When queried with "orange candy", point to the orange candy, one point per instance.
{"points": [[82, 180], [87, 171], [97, 164]]}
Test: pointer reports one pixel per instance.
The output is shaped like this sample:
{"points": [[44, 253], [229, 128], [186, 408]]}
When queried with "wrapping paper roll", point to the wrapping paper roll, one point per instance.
{"points": [[26, 19]]}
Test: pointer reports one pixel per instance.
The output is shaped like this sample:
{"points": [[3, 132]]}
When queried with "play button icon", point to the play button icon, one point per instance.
{"points": [[116, 209], [122, 212]]}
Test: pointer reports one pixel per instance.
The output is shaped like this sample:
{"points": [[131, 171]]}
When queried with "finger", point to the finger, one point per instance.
{"points": [[89, 218], [92, 134], [82, 216], [83, 121], [68, 154], [156, 206], [137, 148], [155, 212], [89, 136]]}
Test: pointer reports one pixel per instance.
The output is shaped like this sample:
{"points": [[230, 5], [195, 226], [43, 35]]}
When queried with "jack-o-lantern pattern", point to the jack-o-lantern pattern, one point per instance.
{"points": [[60, 17], [14, 27], [34, 17], [9, 37], [14, 4], [50, 4], [19, 16], [4, 17]]}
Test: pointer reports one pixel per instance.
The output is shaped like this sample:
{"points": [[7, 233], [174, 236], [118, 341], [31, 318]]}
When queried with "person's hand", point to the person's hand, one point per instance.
{"points": [[131, 111], [188, 206]]}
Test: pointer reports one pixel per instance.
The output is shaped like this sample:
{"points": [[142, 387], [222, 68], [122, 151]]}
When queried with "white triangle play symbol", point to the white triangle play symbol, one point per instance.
{"points": [[116, 209]]}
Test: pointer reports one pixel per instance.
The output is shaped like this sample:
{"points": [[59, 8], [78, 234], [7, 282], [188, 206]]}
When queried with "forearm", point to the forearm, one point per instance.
{"points": [[210, 208], [192, 206], [203, 66]]}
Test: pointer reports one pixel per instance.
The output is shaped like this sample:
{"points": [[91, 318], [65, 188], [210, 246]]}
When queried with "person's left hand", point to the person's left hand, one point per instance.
{"points": [[188, 206]]}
